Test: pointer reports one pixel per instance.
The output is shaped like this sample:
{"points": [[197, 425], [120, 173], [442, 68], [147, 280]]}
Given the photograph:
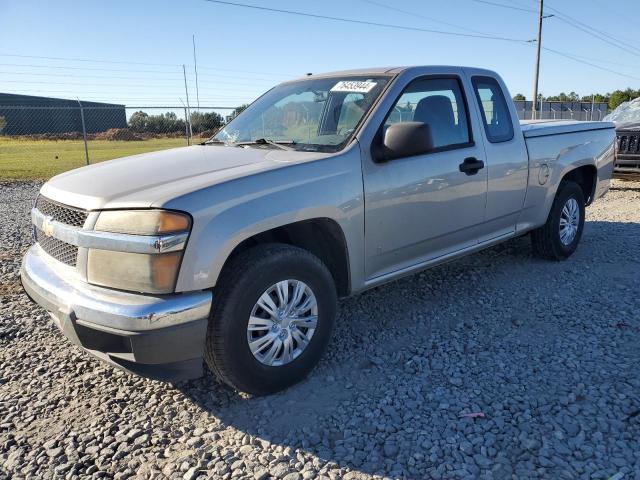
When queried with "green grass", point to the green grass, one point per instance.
{"points": [[26, 159]]}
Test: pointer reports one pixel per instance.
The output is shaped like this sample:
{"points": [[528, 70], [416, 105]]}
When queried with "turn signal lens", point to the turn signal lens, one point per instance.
{"points": [[170, 222], [142, 222]]}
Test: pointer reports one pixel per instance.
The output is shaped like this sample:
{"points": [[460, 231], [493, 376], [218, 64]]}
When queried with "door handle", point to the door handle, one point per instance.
{"points": [[471, 165]]}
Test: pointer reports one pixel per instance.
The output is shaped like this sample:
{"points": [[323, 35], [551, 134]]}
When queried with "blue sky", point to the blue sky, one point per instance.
{"points": [[242, 52]]}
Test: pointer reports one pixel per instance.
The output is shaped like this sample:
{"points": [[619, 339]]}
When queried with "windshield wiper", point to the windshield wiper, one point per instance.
{"points": [[265, 141], [214, 141]]}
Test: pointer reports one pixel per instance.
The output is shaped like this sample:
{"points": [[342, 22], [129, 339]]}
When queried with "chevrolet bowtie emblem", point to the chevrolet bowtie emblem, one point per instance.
{"points": [[47, 226]]}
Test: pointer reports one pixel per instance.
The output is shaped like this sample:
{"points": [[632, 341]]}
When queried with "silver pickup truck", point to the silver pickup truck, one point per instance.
{"points": [[234, 252]]}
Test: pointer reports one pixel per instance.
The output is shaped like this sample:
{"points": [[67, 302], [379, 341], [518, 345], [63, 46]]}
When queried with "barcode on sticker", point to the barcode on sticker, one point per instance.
{"points": [[353, 86]]}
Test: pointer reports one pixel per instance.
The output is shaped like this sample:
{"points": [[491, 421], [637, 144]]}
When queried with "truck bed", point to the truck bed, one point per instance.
{"points": [[543, 128], [554, 147]]}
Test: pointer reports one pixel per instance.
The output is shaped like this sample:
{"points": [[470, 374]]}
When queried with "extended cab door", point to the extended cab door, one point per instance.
{"points": [[425, 206], [506, 155]]}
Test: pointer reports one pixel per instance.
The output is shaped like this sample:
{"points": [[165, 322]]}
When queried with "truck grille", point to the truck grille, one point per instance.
{"points": [[58, 249], [61, 213], [76, 217], [629, 143]]}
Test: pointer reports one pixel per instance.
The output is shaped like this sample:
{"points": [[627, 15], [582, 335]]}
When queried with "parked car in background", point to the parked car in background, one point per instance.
{"points": [[628, 148], [236, 250], [627, 121]]}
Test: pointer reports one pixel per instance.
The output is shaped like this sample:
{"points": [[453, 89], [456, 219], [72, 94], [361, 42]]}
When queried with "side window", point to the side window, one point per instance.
{"points": [[495, 113], [439, 103]]}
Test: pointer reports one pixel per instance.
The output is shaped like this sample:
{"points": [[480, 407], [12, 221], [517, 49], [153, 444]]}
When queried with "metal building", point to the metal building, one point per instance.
{"points": [[26, 114]]}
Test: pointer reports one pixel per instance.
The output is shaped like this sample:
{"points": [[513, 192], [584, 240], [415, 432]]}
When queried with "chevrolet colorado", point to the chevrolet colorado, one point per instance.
{"points": [[234, 252]]}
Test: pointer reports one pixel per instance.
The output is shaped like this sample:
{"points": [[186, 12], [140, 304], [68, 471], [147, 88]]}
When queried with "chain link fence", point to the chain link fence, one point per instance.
{"points": [[582, 111], [42, 141]]}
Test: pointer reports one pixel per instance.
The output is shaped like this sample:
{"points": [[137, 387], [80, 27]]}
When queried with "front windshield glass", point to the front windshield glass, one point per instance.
{"points": [[312, 115]]}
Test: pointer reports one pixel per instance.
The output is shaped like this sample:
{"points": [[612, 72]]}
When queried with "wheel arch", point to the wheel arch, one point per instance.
{"points": [[321, 236], [586, 176]]}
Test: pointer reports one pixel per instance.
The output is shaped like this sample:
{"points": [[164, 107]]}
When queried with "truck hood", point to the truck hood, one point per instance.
{"points": [[151, 179], [628, 126]]}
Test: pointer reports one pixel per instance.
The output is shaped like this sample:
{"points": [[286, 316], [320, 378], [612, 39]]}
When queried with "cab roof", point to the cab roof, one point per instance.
{"points": [[420, 69]]}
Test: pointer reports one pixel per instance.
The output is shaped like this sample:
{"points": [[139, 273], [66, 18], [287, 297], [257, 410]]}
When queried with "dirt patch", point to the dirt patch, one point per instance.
{"points": [[206, 133], [50, 136], [117, 134], [10, 288], [122, 134]]}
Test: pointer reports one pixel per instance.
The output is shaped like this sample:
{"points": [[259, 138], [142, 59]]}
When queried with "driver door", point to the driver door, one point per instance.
{"points": [[423, 207]]}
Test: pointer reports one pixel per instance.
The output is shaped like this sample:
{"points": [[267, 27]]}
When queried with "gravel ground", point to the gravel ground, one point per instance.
{"points": [[545, 353]]}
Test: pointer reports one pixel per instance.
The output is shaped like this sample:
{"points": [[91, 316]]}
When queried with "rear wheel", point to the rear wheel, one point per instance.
{"points": [[558, 238], [272, 318]]}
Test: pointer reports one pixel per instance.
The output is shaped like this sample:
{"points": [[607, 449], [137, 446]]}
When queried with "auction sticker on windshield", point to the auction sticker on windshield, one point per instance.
{"points": [[353, 86]]}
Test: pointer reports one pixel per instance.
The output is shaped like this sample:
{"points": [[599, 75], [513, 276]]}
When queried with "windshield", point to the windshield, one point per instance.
{"points": [[311, 115]]}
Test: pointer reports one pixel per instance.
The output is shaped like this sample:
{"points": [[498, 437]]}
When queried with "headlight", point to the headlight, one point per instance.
{"points": [[139, 272], [142, 222]]}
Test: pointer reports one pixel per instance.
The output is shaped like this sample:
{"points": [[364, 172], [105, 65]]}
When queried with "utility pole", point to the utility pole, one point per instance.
{"points": [[534, 107], [84, 131], [186, 124], [186, 91], [195, 68]]}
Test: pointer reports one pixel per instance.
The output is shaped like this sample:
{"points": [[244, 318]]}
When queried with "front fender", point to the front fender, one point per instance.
{"points": [[225, 215]]}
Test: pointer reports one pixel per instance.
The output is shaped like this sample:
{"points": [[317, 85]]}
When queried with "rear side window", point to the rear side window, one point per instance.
{"points": [[495, 113]]}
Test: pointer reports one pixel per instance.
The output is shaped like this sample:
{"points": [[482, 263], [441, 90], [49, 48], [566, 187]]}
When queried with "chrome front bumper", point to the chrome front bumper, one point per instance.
{"points": [[159, 336]]}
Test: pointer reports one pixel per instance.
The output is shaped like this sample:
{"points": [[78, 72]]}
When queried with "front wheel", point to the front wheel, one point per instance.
{"points": [[558, 238], [272, 318]]}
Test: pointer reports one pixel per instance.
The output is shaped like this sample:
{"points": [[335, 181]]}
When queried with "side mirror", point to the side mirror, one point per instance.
{"points": [[405, 139]]}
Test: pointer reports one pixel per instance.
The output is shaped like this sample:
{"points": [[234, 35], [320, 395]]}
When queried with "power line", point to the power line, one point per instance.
{"points": [[511, 7], [364, 22], [594, 32], [102, 77], [83, 68], [403, 27], [413, 14], [66, 75], [576, 59], [617, 38], [92, 94], [573, 57], [90, 60], [560, 16], [158, 93], [195, 68], [179, 77], [146, 87], [602, 60], [567, 19], [87, 60], [614, 13]]}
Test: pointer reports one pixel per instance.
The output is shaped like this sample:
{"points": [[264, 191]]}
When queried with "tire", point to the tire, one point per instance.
{"points": [[547, 240], [245, 280]]}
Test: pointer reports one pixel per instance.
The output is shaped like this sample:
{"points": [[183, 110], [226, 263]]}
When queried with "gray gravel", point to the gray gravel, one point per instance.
{"points": [[545, 353]]}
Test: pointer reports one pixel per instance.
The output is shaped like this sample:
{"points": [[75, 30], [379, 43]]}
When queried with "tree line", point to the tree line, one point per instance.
{"points": [[142, 122], [613, 99]]}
